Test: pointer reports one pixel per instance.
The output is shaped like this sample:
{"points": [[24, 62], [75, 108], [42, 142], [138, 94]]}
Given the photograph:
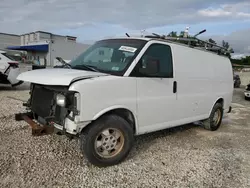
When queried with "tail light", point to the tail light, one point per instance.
{"points": [[13, 64]]}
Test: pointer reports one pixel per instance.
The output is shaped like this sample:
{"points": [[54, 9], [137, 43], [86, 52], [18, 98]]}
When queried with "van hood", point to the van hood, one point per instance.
{"points": [[56, 76]]}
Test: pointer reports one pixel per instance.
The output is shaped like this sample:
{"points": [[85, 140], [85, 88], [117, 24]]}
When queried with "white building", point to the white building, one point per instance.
{"points": [[8, 40], [45, 47]]}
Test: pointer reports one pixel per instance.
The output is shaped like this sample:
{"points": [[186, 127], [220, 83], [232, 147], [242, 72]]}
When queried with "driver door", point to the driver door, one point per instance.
{"points": [[156, 95]]}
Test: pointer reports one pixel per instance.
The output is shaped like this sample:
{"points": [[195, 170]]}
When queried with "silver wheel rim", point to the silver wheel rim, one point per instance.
{"points": [[109, 143], [217, 117]]}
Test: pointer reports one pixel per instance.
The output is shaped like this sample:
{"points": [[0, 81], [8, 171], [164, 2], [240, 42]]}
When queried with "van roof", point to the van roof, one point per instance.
{"points": [[1, 51], [137, 38], [172, 40]]}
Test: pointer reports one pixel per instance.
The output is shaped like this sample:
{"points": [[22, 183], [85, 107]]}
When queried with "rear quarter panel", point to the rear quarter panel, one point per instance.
{"points": [[203, 78]]}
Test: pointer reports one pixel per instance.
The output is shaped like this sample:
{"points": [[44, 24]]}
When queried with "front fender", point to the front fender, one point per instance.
{"points": [[102, 94], [106, 110]]}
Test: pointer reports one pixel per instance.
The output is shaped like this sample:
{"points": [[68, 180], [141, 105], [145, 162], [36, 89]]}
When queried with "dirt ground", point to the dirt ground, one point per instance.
{"points": [[187, 156]]}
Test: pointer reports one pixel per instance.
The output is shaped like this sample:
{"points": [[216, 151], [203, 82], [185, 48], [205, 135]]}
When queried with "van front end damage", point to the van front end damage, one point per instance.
{"points": [[51, 109], [37, 128]]}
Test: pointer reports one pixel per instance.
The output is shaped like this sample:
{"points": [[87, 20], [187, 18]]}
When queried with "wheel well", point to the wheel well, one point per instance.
{"points": [[125, 114], [122, 112], [221, 101]]}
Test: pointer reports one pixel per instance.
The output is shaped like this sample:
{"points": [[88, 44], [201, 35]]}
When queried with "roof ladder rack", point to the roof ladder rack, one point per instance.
{"points": [[194, 42]]}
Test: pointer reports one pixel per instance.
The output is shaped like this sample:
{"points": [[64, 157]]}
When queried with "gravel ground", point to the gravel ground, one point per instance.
{"points": [[187, 156]]}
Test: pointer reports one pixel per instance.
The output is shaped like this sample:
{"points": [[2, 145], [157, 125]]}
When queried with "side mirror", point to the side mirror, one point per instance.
{"points": [[149, 67]]}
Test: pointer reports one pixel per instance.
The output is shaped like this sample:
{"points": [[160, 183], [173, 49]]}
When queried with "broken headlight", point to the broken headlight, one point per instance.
{"points": [[61, 100]]}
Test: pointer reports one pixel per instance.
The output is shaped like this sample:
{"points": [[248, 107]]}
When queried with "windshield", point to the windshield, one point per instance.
{"points": [[112, 56]]}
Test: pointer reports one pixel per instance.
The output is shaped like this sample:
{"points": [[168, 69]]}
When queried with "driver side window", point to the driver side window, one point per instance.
{"points": [[155, 62]]}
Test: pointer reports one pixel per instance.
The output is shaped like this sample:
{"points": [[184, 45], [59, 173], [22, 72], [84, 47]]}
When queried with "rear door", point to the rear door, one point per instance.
{"points": [[156, 96]]}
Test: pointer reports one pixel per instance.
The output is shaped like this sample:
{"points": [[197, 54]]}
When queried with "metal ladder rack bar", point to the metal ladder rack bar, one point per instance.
{"points": [[194, 42]]}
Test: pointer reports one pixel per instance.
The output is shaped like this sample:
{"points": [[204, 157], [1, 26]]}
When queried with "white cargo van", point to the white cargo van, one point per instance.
{"points": [[123, 87], [9, 70]]}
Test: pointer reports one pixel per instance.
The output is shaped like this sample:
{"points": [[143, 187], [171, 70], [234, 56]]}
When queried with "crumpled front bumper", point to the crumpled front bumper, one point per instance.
{"points": [[38, 129]]}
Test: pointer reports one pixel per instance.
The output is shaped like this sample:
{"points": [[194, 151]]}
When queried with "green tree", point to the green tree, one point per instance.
{"points": [[181, 34], [172, 34], [242, 61], [211, 41], [225, 44]]}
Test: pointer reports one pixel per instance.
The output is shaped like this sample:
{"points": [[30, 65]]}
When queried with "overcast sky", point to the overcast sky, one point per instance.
{"points": [[94, 19]]}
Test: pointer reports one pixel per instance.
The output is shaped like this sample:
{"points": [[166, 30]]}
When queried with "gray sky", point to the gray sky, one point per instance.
{"points": [[94, 19]]}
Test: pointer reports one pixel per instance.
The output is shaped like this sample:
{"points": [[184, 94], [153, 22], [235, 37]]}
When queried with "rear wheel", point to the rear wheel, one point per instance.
{"points": [[215, 118], [107, 141]]}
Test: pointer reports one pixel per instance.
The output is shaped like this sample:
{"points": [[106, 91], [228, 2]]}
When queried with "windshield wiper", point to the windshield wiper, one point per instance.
{"points": [[89, 67], [65, 64]]}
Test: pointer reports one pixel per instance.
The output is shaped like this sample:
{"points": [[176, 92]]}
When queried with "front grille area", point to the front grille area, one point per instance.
{"points": [[60, 114], [42, 101]]}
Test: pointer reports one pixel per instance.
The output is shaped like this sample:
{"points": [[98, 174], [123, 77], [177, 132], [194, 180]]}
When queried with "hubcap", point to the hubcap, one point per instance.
{"points": [[109, 143], [217, 117]]}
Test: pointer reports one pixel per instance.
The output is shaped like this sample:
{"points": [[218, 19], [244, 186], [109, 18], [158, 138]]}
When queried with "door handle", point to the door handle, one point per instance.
{"points": [[174, 87]]}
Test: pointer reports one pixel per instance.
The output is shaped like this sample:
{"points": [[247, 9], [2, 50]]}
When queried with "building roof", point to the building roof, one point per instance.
{"points": [[10, 34], [49, 34]]}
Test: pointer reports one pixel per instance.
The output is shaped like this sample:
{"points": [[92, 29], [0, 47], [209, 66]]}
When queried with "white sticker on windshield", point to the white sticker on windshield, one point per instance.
{"points": [[115, 68], [127, 49]]}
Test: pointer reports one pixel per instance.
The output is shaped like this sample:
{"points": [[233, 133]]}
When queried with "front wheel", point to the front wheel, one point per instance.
{"points": [[107, 141], [215, 118]]}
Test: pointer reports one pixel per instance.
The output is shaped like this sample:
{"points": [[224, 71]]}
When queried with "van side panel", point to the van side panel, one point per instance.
{"points": [[202, 78], [224, 74]]}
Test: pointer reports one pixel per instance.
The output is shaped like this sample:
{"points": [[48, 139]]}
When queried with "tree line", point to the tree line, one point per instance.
{"points": [[225, 44], [242, 61]]}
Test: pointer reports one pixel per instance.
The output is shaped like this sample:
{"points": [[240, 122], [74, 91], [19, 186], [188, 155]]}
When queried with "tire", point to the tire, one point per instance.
{"points": [[247, 98], [236, 85], [89, 137], [209, 124]]}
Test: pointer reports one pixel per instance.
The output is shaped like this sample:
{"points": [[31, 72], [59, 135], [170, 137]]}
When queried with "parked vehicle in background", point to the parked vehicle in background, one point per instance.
{"points": [[123, 87], [247, 92], [237, 81], [16, 57], [9, 70]]}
